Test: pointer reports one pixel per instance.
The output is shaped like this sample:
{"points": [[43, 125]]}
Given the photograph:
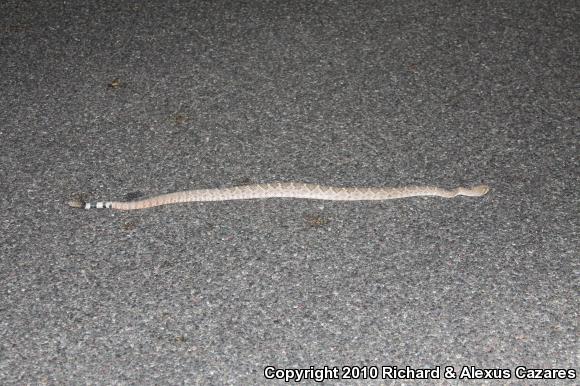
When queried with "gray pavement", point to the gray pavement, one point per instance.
{"points": [[123, 99]]}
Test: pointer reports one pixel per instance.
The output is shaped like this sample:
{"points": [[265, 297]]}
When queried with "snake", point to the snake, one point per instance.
{"points": [[285, 190]]}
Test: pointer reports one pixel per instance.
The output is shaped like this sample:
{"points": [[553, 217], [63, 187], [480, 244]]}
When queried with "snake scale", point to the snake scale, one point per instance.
{"points": [[286, 190]]}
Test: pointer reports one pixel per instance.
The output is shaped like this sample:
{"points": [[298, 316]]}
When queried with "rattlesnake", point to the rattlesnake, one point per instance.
{"points": [[288, 190]]}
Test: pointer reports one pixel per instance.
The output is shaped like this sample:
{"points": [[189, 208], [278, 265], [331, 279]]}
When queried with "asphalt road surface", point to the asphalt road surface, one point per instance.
{"points": [[124, 99]]}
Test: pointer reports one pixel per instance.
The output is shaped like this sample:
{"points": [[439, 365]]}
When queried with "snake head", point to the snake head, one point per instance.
{"points": [[479, 190]]}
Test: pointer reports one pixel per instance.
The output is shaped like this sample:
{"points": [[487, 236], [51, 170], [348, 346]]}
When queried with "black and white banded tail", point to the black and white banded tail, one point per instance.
{"points": [[91, 205]]}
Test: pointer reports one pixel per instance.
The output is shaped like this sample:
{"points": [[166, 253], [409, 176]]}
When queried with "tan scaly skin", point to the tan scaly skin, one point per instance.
{"points": [[287, 190]]}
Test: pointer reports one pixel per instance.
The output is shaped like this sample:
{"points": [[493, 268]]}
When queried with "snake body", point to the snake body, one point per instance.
{"points": [[286, 190]]}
